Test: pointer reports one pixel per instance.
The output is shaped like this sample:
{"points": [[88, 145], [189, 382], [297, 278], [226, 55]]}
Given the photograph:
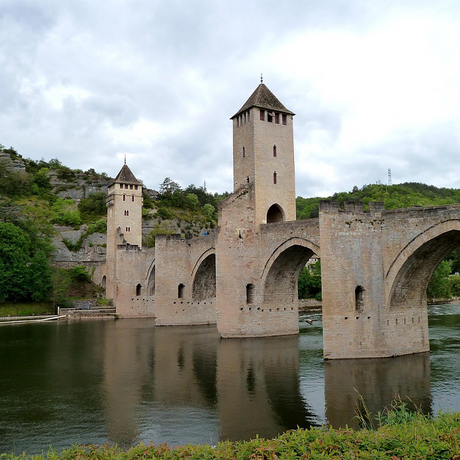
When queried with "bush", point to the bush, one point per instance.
{"points": [[93, 207], [80, 273]]}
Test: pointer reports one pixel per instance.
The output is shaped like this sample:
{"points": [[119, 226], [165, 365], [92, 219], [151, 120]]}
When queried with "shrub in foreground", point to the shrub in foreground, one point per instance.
{"points": [[405, 436]]}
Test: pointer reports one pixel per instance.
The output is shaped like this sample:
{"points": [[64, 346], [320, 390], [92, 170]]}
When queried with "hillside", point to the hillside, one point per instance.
{"points": [[68, 206], [394, 196]]}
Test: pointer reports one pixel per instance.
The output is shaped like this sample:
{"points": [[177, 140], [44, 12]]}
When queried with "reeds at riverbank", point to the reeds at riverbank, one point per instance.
{"points": [[401, 435]]}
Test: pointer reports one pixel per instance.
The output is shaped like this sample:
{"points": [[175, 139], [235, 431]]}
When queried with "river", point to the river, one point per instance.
{"points": [[125, 381]]}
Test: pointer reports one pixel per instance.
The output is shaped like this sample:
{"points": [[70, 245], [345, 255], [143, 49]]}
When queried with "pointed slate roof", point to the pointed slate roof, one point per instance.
{"points": [[126, 176], [263, 98]]}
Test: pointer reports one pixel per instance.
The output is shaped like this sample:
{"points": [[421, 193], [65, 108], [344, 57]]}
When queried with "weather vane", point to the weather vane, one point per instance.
{"points": [[125, 158], [261, 78]]}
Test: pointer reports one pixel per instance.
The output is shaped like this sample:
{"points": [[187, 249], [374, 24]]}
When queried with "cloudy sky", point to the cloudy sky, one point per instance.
{"points": [[374, 85]]}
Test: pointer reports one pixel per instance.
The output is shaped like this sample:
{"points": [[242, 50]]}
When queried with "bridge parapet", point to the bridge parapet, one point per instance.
{"points": [[352, 207]]}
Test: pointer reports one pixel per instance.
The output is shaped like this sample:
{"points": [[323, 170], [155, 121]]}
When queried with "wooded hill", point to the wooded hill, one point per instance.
{"points": [[394, 196]]}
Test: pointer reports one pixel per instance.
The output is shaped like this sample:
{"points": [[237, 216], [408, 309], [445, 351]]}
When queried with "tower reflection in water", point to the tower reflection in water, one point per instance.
{"points": [[185, 385], [378, 382]]}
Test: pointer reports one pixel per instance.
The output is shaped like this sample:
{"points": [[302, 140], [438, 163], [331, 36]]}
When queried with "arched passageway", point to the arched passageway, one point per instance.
{"points": [[281, 280], [204, 283], [275, 214], [411, 281]]}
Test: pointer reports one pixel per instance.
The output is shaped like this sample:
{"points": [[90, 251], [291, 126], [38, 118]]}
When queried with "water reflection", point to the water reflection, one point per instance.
{"points": [[127, 381], [258, 387], [378, 382], [236, 388]]}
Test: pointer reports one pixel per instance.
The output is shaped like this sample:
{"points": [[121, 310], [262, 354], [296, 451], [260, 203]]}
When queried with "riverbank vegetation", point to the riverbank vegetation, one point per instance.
{"points": [[401, 434]]}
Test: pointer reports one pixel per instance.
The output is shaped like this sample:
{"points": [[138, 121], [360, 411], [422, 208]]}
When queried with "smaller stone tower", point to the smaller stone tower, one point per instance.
{"points": [[263, 154], [124, 221]]}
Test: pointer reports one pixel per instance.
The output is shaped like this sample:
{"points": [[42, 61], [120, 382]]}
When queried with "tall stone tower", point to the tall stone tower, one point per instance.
{"points": [[124, 221], [263, 154]]}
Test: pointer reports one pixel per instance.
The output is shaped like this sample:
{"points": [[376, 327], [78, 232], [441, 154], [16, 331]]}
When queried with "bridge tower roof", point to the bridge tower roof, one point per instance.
{"points": [[263, 98], [126, 176]]}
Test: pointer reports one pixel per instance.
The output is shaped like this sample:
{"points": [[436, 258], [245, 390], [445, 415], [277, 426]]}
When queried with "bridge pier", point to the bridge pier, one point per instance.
{"points": [[358, 318]]}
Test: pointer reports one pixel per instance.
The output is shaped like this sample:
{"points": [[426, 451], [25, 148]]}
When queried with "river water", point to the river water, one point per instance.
{"points": [[126, 381]]}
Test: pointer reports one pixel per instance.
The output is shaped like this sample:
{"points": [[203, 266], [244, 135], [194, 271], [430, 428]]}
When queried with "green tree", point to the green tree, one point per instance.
{"points": [[14, 259], [309, 283], [192, 201], [39, 277], [65, 213], [439, 286], [24, 268], [209, 211], [93, 207]]}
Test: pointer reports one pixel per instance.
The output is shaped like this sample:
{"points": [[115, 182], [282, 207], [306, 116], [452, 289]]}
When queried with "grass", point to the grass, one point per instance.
{"points": [[26, 309], [401, 435]]}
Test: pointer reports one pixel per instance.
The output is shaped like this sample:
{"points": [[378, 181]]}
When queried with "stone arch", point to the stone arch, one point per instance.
{"points": [[204, 277], [138, 289], [283, 268], [409, 274], [151, 280], [275, 214]]}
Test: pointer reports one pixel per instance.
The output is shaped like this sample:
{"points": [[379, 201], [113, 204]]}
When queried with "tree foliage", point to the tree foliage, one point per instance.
{"points": [[93, 207], [309, 283], [24, 269], [394, 196]]}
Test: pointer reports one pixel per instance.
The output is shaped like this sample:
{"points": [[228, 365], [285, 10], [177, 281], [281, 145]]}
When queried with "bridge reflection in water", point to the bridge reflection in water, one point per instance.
{"points": [[378, 382], [127, 381]]}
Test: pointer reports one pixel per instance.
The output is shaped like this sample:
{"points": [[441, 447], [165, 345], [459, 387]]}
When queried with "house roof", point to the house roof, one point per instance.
{"points": [[263, 98]]}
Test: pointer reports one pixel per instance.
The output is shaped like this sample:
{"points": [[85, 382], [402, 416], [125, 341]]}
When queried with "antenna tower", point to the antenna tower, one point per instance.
{"points": [[389, 176]]}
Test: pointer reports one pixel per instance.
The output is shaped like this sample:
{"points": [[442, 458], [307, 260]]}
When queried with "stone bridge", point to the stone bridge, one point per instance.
{"points": [[376, 265]]}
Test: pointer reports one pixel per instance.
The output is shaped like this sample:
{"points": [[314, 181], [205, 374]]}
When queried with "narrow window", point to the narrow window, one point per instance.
{"points": [[180, 291], [249, 115], [132, 198], [138, 290], [121, 185], [359, 298], [274, 178], [131, 186], [244, 152], [247, 179], [250, 293], [126, 186], [135, 187], [124, 197], [262, 115], [284, 119], [126, 213], [274, 150], [269, 117], [277, 118], [237, 121]]}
